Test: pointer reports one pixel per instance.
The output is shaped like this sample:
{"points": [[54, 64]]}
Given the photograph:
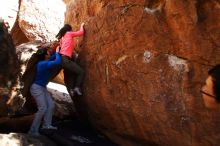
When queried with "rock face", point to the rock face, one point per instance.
{"points": [[41, 20], [63, 103], [30, 21], [18, 35], [9, 67], [145, 63]]}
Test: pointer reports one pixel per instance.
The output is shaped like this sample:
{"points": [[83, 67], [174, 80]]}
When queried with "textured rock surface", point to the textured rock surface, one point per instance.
{"points": [[145, 62], [18, 35], [29, 20], [63, 103], [41, 20], [9, 67], [10, 10]]}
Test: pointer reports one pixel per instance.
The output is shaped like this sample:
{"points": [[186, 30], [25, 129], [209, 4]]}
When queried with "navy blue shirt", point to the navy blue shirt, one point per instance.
{"points": [[43, 72]]}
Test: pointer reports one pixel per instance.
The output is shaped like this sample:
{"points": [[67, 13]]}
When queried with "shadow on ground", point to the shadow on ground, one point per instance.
{"points": [[71, 132]]}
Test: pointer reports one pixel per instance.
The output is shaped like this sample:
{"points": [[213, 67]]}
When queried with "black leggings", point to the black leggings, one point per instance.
{"points": [[72, 66]]}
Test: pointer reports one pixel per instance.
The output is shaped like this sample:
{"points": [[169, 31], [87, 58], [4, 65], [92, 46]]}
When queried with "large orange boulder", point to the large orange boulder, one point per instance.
{"points": [[145, 62], [30, 20]]}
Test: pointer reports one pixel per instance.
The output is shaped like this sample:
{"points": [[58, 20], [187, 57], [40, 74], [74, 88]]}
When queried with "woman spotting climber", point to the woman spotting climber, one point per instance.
{"points": [[67, 45], [38, 90]]}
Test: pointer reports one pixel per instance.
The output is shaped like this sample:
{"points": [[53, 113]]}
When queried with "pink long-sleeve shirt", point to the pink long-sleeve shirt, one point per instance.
{"points": [[67, 42]]}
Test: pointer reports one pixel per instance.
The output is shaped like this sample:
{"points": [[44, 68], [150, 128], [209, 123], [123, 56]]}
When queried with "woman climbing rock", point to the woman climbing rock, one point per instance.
{"points": [[66, 37]]}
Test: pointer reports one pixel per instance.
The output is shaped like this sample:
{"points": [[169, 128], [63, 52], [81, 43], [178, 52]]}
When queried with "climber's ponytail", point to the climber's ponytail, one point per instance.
{"points": [[63, 30]]}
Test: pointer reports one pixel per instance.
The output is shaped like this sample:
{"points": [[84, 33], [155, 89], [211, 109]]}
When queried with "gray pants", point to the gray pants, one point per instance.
{"points": [[45, 106], [68, 64]]}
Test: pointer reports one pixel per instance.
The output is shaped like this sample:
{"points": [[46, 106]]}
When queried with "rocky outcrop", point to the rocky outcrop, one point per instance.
{"points": [[9, 12], [64, 106], [18, 35], [41, 20], [30, 21], [9, 67], [145, 62]]}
